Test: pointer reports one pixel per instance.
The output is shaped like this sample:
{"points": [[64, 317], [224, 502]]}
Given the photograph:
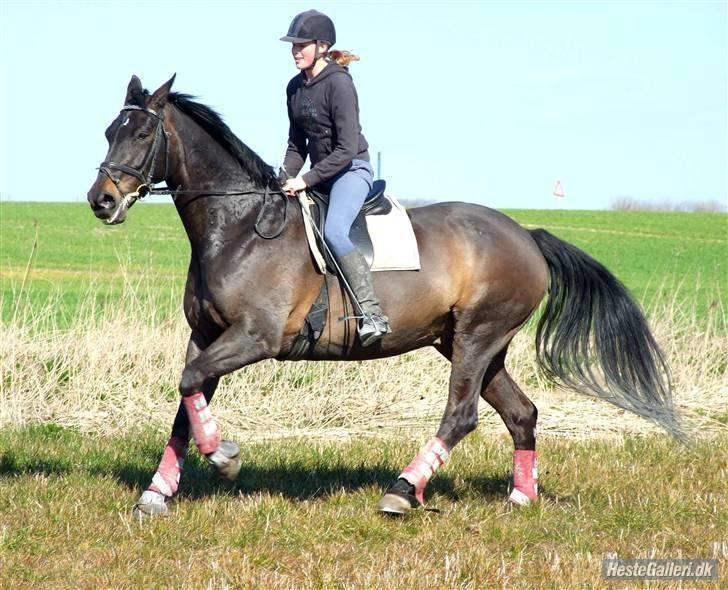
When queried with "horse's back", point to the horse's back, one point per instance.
{"points": [[477, 244]]}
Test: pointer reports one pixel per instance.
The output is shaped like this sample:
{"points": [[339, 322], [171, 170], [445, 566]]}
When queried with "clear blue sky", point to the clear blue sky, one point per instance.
{"points": [[489, 102]]}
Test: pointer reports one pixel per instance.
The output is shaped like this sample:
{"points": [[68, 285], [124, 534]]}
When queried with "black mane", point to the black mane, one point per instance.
{"points": [[260, 172]]}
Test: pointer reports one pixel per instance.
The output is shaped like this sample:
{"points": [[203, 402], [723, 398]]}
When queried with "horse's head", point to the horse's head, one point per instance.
{"points": [[137, 156]]}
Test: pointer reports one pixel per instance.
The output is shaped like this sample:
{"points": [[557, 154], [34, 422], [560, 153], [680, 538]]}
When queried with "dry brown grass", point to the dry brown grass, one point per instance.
{"points": [[110, 374]]}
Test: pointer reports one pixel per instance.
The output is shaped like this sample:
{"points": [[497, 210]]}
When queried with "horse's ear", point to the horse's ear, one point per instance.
{"points": [[159, 98], [135, 86]]}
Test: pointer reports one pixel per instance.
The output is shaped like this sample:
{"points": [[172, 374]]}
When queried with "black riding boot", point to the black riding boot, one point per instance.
{"points": [[374, 324]]}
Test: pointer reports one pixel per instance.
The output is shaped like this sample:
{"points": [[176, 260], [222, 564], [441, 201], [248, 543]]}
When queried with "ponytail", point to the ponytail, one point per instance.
{"points": [[341, 57]]}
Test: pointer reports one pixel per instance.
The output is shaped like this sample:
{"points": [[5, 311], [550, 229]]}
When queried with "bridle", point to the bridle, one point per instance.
{"points": [[145, 174]]}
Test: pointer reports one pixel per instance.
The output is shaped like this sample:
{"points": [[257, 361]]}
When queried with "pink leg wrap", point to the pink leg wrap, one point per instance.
{"points": [[423, 466], [203, 425], [166, 479], [525, 477]]}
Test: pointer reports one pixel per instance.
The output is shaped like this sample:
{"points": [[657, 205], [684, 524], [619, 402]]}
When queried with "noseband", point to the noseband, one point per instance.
{"points": [[146, 169]]}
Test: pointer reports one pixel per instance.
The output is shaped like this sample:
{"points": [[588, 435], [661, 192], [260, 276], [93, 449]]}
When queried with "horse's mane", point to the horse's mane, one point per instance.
{"points": [[260, 172]]}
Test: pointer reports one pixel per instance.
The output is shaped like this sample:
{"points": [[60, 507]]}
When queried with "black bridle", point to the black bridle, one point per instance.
{"points": [[145, 171], [147, 181]]}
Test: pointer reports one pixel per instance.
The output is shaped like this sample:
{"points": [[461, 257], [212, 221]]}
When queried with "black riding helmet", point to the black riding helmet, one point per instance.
{"points": [[311, 25]]}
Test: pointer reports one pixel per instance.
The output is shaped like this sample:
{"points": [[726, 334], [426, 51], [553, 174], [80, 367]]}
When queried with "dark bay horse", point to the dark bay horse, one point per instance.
{"points": [[251, 283]]}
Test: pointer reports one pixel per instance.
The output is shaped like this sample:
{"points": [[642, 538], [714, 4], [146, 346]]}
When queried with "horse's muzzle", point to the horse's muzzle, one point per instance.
{"points": [[102, 203]]}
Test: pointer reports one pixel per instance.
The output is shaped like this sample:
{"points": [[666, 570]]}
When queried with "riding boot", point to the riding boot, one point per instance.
{"points": [[373, 324]]}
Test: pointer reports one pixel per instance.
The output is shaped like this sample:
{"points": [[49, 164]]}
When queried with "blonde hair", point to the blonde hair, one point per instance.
{"points": [[341, 57]]}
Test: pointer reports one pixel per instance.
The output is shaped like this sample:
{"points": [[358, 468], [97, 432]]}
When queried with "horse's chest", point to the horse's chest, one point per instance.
{"points": [[201, 307]]}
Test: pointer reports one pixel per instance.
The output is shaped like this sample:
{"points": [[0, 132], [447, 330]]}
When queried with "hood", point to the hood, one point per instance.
{"points": [[331, 69]]}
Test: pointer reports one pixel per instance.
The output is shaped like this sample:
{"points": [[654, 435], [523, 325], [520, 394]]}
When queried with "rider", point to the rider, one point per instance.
{"points": [[323, 111]]}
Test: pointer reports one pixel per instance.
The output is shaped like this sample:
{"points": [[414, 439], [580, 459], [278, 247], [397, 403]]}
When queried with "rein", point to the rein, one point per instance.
{"points": [[147, 187]]}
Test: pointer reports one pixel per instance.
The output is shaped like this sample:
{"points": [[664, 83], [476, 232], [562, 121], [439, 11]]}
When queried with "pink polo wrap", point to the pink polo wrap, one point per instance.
{"points": [[423, 466], [166, 479], [203, 425], [525, 477]]}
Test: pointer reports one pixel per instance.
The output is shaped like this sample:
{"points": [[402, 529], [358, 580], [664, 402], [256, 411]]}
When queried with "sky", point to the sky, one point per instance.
{"points": [[487, 102]]}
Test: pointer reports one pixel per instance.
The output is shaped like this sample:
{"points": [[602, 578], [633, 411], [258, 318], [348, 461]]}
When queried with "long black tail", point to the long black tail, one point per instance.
{"points": [[591, 319]]}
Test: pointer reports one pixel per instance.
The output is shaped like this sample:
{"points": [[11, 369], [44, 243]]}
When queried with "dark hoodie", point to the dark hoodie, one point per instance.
{"points": [[324, 124]]}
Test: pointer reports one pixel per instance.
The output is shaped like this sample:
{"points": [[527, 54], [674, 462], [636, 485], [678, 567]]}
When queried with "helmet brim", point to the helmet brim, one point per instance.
{"points": [[296, 40]]}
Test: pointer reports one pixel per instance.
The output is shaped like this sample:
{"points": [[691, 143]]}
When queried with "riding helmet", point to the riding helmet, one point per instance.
{"points": [[311, 25]]}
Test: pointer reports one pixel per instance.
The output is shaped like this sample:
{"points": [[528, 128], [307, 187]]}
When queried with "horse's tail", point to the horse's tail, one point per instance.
{"points": [[590, 316]]}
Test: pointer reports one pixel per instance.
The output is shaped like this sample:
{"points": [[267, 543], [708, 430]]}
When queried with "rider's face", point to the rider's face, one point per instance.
{"points": [[304, 54]]}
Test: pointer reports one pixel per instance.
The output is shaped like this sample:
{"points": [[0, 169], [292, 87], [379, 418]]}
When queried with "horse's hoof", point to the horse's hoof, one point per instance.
{"points": [[399, 499], [394, 504], [226, 460], [518, 498], [151, 504]]}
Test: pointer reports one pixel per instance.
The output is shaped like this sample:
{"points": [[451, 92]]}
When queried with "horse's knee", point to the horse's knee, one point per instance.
{"points": [[461, 423], [191, 382], [527, 415], [517, 411]]}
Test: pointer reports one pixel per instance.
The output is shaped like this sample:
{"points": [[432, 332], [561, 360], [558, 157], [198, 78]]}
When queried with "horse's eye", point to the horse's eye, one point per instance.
{"points": [[142, 136]]}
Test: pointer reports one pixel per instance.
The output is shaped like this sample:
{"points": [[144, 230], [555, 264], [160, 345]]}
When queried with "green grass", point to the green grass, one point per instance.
{"points": [[657, 255], [78, 261], [302, 514]]}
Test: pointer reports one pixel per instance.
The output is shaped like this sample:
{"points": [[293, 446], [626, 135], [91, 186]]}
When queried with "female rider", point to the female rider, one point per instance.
{"points": [[323, 111]]}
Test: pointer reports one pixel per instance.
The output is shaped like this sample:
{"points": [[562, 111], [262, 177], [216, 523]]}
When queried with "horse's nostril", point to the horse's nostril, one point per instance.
{"points": [[106, 201]]}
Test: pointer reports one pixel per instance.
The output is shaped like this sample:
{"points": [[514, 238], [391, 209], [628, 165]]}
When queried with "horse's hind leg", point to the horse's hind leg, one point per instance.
{"points": [[470, 360], [519, 415]]}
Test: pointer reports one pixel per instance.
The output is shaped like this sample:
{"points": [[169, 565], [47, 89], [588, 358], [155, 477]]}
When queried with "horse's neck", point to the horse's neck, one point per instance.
{"points": [[201, 164]]}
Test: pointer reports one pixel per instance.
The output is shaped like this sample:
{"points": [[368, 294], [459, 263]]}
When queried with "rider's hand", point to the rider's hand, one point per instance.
{"points": [[293, 186]]}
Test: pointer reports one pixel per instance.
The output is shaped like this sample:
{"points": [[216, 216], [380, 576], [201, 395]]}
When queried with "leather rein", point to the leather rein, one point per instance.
{"points": [[147, 187]]}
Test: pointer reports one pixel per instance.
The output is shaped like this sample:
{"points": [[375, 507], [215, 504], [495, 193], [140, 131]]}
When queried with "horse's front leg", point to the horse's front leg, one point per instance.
{"points": [[166, 480], [240, 345]]}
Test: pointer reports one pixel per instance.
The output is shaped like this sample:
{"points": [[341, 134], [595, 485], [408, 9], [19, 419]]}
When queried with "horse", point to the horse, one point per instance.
{"points": [[251, 282]]}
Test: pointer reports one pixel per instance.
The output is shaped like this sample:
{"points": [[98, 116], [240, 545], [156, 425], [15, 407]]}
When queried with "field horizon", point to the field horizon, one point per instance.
{"points": [[62, 248]]}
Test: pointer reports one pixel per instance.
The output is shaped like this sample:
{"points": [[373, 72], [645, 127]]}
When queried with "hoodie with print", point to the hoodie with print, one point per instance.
{"points": [[324, 124]]}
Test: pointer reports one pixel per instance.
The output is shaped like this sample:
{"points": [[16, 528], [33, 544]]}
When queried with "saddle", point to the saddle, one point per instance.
{"points": [[392, 245], [375, 204]]}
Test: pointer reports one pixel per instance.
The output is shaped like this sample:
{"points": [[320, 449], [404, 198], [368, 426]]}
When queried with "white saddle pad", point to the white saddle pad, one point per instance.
{"points": [[393, 239]]}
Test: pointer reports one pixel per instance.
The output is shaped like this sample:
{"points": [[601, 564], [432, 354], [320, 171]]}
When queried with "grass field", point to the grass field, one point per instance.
{"points": [[655, 254], [302, 514], [321, 441]]}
